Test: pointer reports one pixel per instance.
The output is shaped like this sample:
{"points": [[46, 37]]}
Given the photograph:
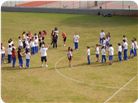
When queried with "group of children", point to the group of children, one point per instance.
{"points": [[29, 44], [105, 46]]}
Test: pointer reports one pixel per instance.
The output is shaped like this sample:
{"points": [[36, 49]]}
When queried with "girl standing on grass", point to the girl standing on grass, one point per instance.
{"points": [[69, 55], [28, 56], [13, 57], [20, 58]]}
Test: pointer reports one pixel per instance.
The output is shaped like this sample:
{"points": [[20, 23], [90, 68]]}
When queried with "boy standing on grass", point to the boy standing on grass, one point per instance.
{"points": [[76, 41], [13, 57], [125, 48], [88, 54], [97, 51], [43, 52], [111, 54], [103, 52], [69, 55], [119, 52], [28, 56]]}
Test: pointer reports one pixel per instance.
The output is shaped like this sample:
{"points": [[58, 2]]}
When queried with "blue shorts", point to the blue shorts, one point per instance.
{"points": [[97, 55], [110, 57]]}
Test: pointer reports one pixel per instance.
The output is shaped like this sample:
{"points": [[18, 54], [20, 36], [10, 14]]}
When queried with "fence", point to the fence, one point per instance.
{"points": [[130, 5]]}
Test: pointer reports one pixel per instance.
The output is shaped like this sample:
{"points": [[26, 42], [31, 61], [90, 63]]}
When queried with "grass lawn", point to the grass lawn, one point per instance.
{"points": [[82, 83]]}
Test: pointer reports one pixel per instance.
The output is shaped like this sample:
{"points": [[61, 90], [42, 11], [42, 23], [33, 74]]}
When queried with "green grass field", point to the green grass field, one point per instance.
{"points": [[82, 83]]}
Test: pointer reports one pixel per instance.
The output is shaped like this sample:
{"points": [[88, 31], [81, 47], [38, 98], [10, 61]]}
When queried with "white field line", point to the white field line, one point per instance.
{"points": [[82, 82], [107, 100]]}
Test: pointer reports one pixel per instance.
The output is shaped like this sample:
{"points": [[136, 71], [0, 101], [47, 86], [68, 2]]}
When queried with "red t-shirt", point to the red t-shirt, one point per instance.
{"points": [[13, 54]]}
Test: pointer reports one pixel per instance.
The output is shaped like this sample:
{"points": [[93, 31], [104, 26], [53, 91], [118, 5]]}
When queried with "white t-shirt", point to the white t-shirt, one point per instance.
{"points": [[76, 38], [43, 51], [132, 45], [88, 52], [36, 42], [111, 51], [10, 51], [104, 42], [28, 56], [20, 43], [56, 32], [125, 45], [136, 45], [120, 48], [3, 50], [32, 44], [97, 50], [103, 51], [102, 34], [69, 54]]}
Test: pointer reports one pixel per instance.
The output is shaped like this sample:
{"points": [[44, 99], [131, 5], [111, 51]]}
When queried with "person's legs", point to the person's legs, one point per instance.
{"points": [[135, 52], [125, 54], [27, 63], [119, 56], [2, 58], [102, 58], [88, 58], [13, 62]]}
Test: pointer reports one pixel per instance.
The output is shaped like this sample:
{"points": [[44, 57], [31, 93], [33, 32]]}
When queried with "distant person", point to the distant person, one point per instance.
{"points": [[102, 35], [135, 47], [76, 41], [9, 54], [132, 51], [28, 56], [2, 53], [70, 55], [36, 44], [20, 58], [32, 44], [119, 52], [43, 52], [88, 54], [97, 51], [111, 54], [20, 42], [103, 52], [55, 38], [64, 35], [13, 57], [125, 49]]}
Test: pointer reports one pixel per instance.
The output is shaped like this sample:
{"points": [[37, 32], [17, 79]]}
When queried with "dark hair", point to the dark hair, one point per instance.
{"points": [[56, 28], [124, 40], [88, 47], [124, 35], [69, 48], [9, 46], [23, 32], [110, 45], [103, 47], [19, 37], [132, 40], [135, 39], [119, 44]]}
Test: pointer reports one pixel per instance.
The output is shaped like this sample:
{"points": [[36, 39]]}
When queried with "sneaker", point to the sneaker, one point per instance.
{"points": [[46, 65], [42, 65]]}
